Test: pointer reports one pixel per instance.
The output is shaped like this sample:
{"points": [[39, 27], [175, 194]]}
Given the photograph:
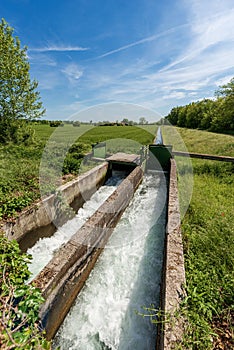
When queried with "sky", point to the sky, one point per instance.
{"points": [[156, 54]]}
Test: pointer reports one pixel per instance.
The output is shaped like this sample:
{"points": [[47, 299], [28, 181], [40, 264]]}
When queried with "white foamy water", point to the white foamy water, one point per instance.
{"points": [[43, 251], [125, 279]]}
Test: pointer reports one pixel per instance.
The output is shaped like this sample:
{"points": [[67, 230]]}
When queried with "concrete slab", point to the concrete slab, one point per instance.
{"points": [[124, 157]]}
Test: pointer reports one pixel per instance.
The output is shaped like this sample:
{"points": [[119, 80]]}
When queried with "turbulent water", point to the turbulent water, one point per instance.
{"points": [[43, 251], [124, 281]]}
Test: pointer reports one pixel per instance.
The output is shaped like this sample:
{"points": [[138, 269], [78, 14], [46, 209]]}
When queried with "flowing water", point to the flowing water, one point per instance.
{"points": [[43, 251], [125, 280], [159, 138]]}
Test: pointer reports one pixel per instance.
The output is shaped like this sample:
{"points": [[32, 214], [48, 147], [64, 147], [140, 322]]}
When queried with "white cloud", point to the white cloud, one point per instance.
{"points": [[223, 80], [202, 58], [58, 48], [42, 59], [211, 27], [144, 40], [174, 95], [72, 72]]}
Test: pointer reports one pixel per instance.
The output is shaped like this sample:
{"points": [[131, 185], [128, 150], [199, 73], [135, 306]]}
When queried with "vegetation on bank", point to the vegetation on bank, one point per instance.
{"points": [[209, 258], [208, 236], [19, 302], [208, 114]]}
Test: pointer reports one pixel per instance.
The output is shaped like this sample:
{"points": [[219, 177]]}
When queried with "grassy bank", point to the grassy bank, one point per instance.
{"points": [[209, 259], [208, 235]]}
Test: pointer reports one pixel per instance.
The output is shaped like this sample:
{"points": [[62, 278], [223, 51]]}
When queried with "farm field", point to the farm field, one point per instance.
{"points": [[19, 164], [92, 134]]}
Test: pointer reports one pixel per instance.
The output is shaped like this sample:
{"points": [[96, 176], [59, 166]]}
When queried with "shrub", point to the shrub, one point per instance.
{"points": [[19, 308]]}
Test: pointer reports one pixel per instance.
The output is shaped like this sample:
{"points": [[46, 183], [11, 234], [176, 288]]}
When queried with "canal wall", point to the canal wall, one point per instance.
{"points": [[173, 278], [64, 276], [44, 217]]}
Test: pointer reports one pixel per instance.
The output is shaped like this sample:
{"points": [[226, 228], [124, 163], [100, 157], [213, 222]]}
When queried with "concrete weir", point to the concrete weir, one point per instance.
{"points": [[64, 276]]}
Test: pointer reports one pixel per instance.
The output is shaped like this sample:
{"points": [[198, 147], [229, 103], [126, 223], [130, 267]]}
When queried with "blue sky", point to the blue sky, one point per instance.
{"points": [[154, 53]]}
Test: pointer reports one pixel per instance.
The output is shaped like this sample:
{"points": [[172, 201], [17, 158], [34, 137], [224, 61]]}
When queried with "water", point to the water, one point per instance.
{"points": [[159, 138], [43, 251], [125, 278]]}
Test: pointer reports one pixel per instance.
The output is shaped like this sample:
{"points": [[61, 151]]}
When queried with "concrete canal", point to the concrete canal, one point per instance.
{"points": [[106, 271], [42, 252], [125, 279]]}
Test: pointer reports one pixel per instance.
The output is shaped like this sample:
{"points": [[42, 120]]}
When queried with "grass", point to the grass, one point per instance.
{"points": [[208, 236], [19, 166], [198, 141], [94, 134], [209, 254]]}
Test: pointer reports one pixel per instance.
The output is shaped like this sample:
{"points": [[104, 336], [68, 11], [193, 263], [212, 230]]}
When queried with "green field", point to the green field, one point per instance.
{"points": [[199, 141], [92, 134], [19, 164]]}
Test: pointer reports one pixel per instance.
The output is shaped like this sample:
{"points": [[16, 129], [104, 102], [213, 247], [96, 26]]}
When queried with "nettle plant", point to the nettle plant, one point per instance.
{"points": [[20, 327]]}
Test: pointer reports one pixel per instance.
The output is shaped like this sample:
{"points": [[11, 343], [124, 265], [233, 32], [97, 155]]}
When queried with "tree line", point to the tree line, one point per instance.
{"points": [[213, 115]]}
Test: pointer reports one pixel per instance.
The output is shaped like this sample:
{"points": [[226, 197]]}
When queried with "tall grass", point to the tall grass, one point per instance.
{"points": [[208, 236], [199, 141]]}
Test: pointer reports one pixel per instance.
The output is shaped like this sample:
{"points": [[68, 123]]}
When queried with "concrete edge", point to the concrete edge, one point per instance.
{"points": [[49, 213], [173, 279]]}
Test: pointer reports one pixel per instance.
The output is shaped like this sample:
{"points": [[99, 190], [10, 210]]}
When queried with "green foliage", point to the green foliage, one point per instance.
{"points": [[76, 123], [208, 238], [19, 99], [209, 253], [20, 302], [74, 157], [19, 188], [56, 123], [214, 115]]}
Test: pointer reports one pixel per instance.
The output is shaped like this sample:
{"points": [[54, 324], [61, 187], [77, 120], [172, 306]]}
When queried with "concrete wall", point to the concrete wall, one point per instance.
{"points": [[204, 156], [64, 276], [173, 279], [43, 218]]}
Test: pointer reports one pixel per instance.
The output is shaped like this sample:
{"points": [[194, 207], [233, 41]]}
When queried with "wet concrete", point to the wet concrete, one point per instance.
{"points": [[44, 217], [64, 276]]}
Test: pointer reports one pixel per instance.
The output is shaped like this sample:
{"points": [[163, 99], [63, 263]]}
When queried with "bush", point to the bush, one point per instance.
{"points": [[20, 326], [56, 123]]}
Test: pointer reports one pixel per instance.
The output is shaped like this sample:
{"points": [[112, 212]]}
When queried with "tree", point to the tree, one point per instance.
{"points": [[142, 121], [76, 123], [19, 99], [225, 109], [125, 121], [214, 115]]}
